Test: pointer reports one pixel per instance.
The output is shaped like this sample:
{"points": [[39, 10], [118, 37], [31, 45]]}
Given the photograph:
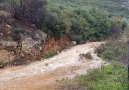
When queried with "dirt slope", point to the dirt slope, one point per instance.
{"points": [[42, 75]]}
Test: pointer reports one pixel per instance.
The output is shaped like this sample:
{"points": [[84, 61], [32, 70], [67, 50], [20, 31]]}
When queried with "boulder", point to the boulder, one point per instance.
{"points": [[1, 66], [88, 55], [84, 57], [73, 42], [33, 43], [6, 56]]}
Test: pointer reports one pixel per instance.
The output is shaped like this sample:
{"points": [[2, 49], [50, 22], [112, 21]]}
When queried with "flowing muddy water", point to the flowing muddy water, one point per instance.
{"points": [[42, 75]]}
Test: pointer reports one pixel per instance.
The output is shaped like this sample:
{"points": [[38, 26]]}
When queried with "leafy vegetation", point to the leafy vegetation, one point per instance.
{"points": [[49, 54], [96, 20], [89, 19], [111, 77], [113, 51], [81, 20], [81, 24], [113, 7], [28, 11]]}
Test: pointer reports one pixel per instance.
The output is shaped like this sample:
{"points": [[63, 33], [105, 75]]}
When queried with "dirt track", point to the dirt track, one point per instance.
{"points": [[42, 75]]}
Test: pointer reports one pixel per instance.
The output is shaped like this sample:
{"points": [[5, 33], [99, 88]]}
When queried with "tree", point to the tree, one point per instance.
{"points": [[117, 26], [55, 27], [1, 0], [30, 11]]}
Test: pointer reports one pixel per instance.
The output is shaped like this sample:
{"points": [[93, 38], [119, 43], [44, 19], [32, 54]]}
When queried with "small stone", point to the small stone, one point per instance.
{"points": [[73, 42], [1, 66], [88, 55]]}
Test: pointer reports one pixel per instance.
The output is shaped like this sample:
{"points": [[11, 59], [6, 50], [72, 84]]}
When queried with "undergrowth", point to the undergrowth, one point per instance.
{"points": [[113, 51], [49, 54], [110, 77]]}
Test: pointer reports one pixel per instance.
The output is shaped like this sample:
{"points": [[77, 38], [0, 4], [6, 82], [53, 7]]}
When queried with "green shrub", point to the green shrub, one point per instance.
{"points": [[76, 38], [124, 25], [49, 54], [113, 51], [29, 11], [111, 77], [91, 25]]}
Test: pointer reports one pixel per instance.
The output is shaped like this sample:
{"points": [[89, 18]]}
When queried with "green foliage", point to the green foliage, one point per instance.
{"points": [[77, 18], [113, 7], [85, 21], [91, 25], [124, 25], [99, 24], [29, 11], [113, 51], [49, 54], [82, 24], [117, 26], [110, 77], [55, 27], [16, 33]]}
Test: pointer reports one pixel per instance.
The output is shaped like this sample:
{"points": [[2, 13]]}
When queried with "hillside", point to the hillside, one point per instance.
{"points": [[63, 44], [113, 7]]}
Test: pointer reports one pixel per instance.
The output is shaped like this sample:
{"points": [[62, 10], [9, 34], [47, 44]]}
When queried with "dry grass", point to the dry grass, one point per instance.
{"points": [[5, 14]]}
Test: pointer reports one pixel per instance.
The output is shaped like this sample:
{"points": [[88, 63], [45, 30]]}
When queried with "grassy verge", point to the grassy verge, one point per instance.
{"points": [[110, 77]]}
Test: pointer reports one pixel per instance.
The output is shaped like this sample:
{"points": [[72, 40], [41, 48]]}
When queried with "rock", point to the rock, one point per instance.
{"points": [[1, 66], [84, 57], [5, 56], [40, 35], [8, 43], [73, 42], [88, 55], [7, 29], [33, 42]]}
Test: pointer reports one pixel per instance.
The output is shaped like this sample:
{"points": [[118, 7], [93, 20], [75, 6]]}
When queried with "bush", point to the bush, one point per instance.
{"points": [[85, 23], [77, 38], [110, 77], [49, 54], [124, 25], [29, 11], [117, 26], [56, 28], [80, 24], [99, 79], [113, 51]]}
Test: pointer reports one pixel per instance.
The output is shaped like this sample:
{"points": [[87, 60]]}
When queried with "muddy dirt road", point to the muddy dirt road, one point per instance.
{"points": [[42, 75]]}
